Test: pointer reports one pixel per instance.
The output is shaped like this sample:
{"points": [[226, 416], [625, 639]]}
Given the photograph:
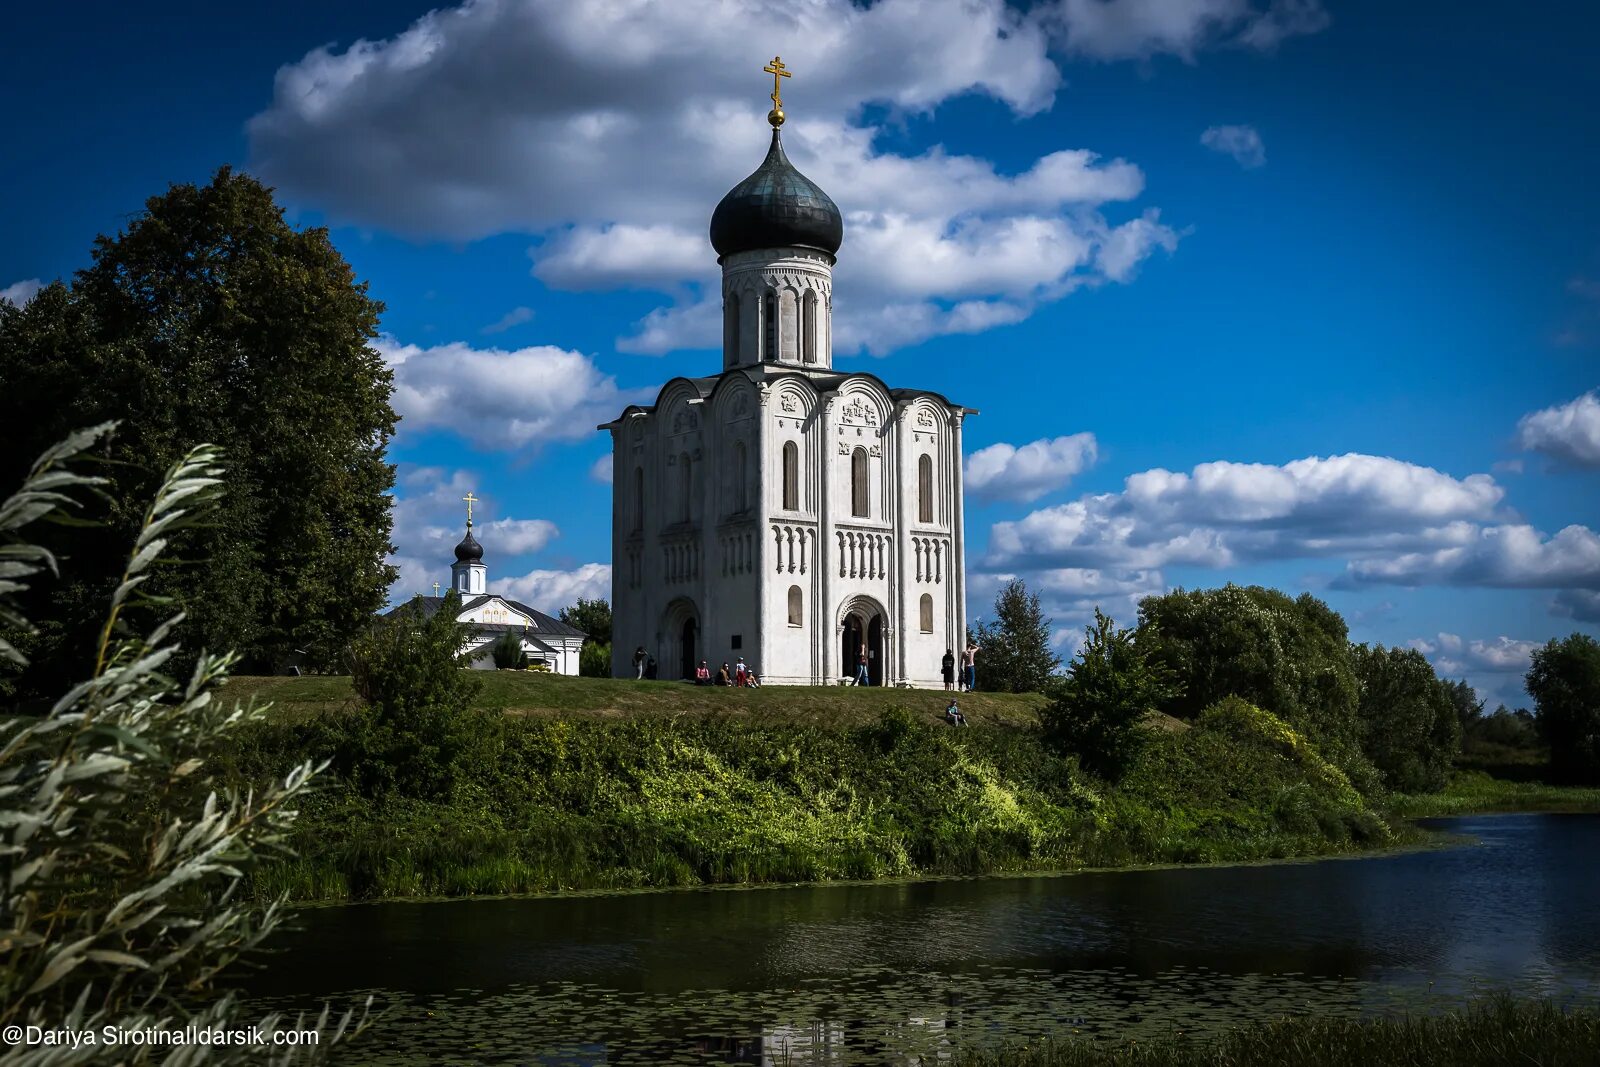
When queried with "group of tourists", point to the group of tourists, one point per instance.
{"points": [[740, 676], [969, 668]]}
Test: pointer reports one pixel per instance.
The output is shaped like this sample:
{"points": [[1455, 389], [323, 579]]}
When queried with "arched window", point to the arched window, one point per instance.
{"points": [[927, 613], [685, 486], [771, 352], [925, 488], [638, 499], [730, 331], [791, 476], [741, 477], [796, 612], [858, 483]]}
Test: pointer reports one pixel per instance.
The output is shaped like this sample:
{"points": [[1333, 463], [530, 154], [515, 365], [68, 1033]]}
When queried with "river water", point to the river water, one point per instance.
{"points": [[905, 972]]}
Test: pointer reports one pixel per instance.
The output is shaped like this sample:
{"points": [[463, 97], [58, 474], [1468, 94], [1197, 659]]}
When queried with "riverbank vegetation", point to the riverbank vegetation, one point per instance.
{"points": [[1489, 1034]]}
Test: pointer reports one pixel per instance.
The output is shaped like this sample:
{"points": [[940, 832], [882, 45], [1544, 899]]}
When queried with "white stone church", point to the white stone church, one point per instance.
{"points": [[781, 510], [489, 616]]}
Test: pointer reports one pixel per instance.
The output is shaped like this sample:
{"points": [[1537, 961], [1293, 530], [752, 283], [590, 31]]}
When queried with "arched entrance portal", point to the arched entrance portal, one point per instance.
{"points": [[679, 638], [862, 630]]}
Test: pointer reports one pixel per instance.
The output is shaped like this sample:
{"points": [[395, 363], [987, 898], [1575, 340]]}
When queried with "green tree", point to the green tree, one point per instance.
{"points": [[412, 731], [1015, 654], [593, 617], [594, 660], [1464, 699], [1564, 680], [121, 849], [1290, 656], [209, 318], [507, 652], [1410, 721], [1097, 710]]}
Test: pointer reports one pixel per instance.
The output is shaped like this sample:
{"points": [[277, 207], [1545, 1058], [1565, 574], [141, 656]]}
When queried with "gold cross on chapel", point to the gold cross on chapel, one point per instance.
{"points": [[776, 69], [471, 499]]}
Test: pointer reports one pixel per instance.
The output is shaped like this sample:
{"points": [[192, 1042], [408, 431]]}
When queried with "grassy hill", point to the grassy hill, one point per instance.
{"points": [[577, 783], [551, 695]]}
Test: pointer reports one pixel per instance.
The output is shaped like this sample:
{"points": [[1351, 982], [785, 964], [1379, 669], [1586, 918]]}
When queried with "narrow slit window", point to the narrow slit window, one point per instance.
{"points": [[925, 489], [791, 476], [796, 607], [858, 483], [927, 613], [771, 353]]}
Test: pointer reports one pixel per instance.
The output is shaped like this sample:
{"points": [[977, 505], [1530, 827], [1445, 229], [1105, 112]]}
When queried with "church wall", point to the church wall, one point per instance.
{"points": [[930, 565], [790, 653]]}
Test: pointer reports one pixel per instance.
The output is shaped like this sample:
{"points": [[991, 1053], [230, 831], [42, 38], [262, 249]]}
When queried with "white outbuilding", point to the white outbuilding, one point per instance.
{"points": [[489, 616]]}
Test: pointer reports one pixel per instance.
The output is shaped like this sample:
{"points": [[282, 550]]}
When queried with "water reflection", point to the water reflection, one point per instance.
{"points": [[890, 973]]}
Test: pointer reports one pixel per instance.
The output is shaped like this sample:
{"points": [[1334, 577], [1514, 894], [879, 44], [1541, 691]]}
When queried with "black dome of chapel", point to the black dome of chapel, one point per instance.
{"points": [[469, 551], [775, 207]]}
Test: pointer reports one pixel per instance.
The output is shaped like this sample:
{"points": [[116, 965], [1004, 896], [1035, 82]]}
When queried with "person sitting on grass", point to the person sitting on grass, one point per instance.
{"points": [[953, 716], [702, 674], [751, 680], [724, 676]]}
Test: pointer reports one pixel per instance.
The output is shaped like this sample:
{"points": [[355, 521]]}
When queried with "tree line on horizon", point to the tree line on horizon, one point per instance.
{"points": [[1381, 714]]}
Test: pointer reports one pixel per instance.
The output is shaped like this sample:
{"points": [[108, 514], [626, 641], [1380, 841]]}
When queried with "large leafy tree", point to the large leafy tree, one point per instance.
{"points": [[1015, 654], [1410, 721], [1564, 679], [210, 318], [593, 617], [1289, 655], [1097, 711]]}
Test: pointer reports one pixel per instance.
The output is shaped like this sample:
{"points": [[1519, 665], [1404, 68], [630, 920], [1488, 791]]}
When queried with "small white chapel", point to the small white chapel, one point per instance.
{"points": [[780, 510], [545, 640]]}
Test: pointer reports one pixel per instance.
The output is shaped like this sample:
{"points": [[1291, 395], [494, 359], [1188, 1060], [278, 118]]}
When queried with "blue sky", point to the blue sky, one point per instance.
{"points": [[1282, 291]]}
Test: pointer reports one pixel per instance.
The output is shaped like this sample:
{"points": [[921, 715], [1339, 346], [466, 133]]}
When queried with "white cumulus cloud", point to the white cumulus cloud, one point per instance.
{"points": [[502, 398], [1567, 432], [1243, 143], [1008, 472], [1141, 29], [19, 293], [1451, 655], [552, 590], [1514, 556], [1223, 514], [528, 116]]}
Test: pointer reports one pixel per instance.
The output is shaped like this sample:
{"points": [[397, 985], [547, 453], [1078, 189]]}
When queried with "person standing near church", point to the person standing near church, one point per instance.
{"points": [[969, 666], [862, 677], [741, 673], [638, 663], [947, 667]]}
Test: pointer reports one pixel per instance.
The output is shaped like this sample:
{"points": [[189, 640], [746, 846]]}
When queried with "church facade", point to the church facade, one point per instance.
{"points": [[779, 510], [488, 617]]}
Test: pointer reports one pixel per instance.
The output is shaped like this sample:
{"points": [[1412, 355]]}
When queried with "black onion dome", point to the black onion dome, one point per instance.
{"points": [[776, 207], [469, 551]]}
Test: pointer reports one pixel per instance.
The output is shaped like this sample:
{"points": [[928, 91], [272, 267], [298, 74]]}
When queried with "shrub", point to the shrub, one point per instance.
{"points": [[1098, 709], [410, 733], [507, 652], [120, 852]]}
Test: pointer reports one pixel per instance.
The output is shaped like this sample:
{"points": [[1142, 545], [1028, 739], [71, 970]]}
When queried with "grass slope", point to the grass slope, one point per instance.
{"points": [[691, 787], [531, 693], [1474, 792]]}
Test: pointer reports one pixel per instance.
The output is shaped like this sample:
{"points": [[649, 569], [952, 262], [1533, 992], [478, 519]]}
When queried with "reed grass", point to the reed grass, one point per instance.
{"points": [[1493, 1033]]}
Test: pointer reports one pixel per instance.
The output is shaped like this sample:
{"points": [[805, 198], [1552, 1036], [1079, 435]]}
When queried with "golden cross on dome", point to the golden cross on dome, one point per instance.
{"points": [[471, 499], [776, 69]]}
